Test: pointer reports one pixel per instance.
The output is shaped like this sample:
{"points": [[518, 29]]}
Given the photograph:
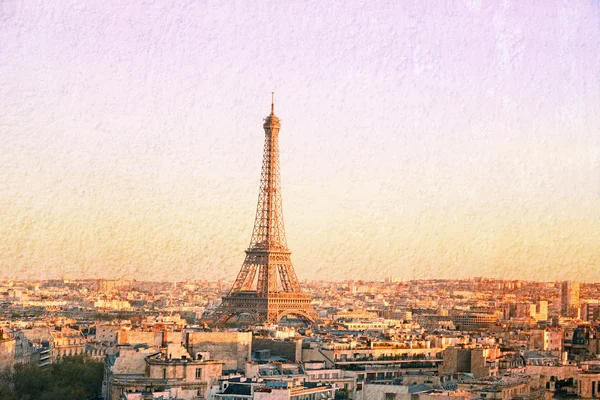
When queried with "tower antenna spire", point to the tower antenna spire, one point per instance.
{"points": [[272, 103]]}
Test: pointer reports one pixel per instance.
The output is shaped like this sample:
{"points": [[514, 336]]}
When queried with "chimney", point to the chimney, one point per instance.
{"points": [[164, 338], [122, 337]]}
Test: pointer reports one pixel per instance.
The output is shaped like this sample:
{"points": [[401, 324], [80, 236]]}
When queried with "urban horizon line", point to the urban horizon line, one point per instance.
{"points": [[305, 280]]}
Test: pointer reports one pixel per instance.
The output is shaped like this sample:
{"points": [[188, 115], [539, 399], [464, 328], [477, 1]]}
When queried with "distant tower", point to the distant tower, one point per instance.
{"points": [[569, 299], [267, 287]]}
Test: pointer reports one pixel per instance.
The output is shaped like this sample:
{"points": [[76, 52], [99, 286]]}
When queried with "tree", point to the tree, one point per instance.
{"points": [[6, 390], [76, 378]]}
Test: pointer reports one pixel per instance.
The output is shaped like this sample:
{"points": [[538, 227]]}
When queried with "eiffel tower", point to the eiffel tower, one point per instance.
{"points": [[267, 287]]}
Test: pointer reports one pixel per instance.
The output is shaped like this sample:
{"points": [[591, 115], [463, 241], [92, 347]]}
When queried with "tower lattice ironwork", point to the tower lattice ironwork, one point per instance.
{"points": [[267, 287]]}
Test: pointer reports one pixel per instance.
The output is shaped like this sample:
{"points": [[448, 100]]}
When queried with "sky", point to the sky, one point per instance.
{"points": [[418, 140]]}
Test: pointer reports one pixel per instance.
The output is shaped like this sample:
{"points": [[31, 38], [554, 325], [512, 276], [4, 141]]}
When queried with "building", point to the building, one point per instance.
{"points": [[569, 299], [472, 320], [546, 376], [480, 362], [62, 343], [317, 372], [290, 349], [233, 349], [537, 311], [7, 351], [113, 304], [590, 310], [361, 325], [500, 389], [582, 343], [588, 382], [379, 391], [548, 340], [171, 372], [107, 333], [356, 353], [296, 389], [67, 342]]}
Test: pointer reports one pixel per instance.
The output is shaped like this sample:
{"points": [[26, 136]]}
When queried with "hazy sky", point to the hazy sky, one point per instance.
{"points": [[417, 140]]}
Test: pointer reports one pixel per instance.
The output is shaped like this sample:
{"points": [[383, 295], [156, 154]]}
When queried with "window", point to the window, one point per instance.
{"points": [[198, 373]]}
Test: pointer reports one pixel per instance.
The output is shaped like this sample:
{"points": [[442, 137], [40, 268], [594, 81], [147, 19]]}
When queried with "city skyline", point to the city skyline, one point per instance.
{"points": [[415, 142]]}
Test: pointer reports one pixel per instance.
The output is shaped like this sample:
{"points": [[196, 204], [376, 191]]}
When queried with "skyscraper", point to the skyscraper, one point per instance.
{"points": [[569, 299]]}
